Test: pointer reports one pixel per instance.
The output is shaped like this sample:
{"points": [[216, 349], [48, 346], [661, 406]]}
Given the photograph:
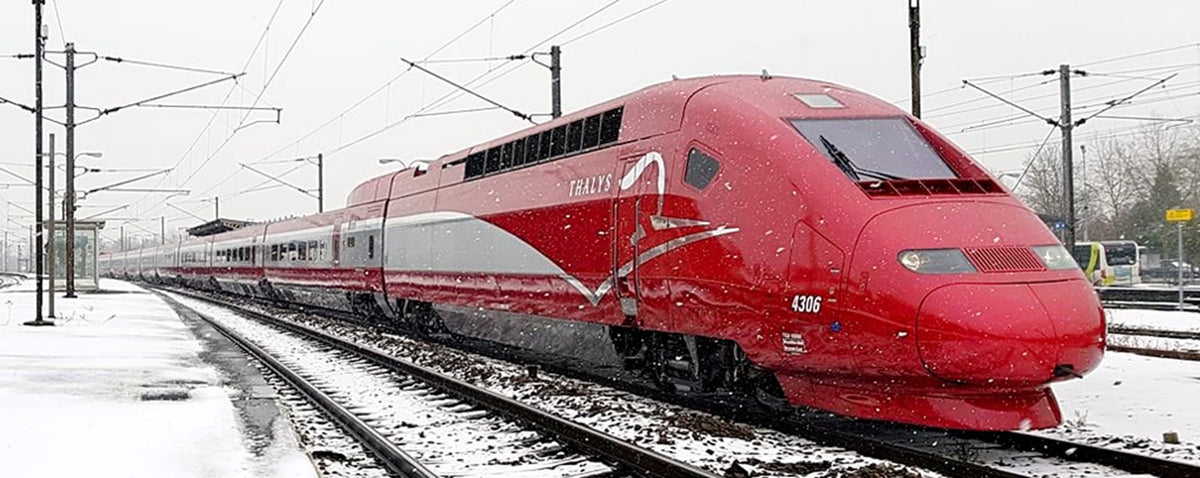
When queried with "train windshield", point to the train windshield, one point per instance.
{"points": [[874, 148], [1120, 253]]}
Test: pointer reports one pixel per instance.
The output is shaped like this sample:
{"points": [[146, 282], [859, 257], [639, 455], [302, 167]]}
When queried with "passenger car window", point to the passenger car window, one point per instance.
{"points": [[701, 169], [888, 147]]}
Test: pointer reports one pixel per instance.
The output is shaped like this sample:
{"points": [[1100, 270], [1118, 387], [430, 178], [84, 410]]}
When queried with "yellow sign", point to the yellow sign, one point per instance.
{"points": [[1180, 215]]}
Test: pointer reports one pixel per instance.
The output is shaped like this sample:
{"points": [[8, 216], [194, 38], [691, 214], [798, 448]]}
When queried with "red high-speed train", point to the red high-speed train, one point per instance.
{"points": [[744, 233]]}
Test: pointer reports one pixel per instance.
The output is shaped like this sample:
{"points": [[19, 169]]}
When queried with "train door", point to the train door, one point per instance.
{"points": [[637, 201]]}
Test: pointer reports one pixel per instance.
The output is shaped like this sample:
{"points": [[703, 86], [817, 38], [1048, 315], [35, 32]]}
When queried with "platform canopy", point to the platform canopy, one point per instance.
{"points": [[216, 227]]}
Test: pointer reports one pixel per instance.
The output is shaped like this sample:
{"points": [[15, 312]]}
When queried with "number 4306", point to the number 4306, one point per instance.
{"points": [[806, 304]]}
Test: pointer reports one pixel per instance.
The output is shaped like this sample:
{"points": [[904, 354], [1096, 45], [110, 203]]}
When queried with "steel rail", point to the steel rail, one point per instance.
{"points": [[392, 457], [1144, 332], [1167, 354], [636, 460], [825, 432], [832, 430], [1130, 462]]}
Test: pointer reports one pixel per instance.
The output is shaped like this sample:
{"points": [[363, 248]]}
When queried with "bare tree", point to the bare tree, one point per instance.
{"points": [[1042, 188], [1115, 179]]}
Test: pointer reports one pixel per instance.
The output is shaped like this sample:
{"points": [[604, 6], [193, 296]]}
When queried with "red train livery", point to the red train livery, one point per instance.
{"points": [[779, 236]]}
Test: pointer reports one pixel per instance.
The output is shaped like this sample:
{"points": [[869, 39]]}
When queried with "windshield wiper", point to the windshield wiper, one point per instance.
{"points": [[845, 164]]}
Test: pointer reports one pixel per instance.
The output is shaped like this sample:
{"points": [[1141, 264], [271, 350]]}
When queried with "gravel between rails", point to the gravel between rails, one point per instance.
{"points": [[710, 442]]}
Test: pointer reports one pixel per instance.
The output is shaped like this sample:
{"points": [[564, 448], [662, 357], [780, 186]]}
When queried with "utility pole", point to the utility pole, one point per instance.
{"points": [[50, 227], [320, 182], [39, 48], [162, 230], [122, 238], [69, 199], [915, 54], [1065, 122], [217, 207], [1086, 218], [555, 81]]}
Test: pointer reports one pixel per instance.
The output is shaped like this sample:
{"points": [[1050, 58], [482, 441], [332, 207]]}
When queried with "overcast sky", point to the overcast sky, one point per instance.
{"points": [[351, 49]]}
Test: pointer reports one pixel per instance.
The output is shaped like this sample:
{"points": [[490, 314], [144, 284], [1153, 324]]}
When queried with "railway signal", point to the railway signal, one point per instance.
{"points": [[1179, 217]]}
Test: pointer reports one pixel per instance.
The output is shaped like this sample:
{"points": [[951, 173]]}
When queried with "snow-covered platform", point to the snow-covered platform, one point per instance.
{"points": [[121, 386]]}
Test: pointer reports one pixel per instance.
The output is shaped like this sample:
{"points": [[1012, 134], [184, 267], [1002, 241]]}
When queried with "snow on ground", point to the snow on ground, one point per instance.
{"points": [[1155, 319], [1130, 401], [117, 388], [692, 437]]}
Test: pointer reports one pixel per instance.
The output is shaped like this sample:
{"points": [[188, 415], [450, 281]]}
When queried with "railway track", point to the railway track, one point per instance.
{"points": [[1144, 298], [421, 423], [1135, 347], [949, 452]]}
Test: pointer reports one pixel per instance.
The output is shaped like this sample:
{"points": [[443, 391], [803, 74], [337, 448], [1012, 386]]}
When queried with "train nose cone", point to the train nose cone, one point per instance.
{"points": [[1010, 334]]}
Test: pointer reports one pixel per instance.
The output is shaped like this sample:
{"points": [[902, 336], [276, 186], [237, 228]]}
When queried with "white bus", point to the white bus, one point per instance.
{"points": [[1109, 263]]}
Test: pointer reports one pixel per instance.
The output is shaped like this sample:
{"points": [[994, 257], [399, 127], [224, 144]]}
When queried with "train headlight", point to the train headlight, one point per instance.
{"points": [[1055, 257], [936, 261]]}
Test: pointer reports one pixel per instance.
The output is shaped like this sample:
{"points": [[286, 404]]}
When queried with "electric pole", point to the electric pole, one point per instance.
{"points": [[162, 229], [69, 199], [915, 56], [320, 182], [39, 48], [1067, 126], [1086, 218], [555, 81], [50, 227]]}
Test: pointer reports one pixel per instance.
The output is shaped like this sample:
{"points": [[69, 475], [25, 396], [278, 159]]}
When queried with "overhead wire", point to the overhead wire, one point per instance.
{"points": [[614, 22], [366, 98], [212, 119], [258, 97], [62, 32], [389, 82], [1139, 55], [474, 83]]}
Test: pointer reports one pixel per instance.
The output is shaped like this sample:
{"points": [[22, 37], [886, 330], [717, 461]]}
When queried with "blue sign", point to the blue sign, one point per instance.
{"points": [[1059, 225]]}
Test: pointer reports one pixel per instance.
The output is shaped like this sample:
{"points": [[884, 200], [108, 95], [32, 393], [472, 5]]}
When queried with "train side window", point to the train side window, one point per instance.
{"points": [[371, 246], [574, 136], [558, 141], [493, 161], [701, 169], [531, 148], [303, 254], [591, 132], [274, 252], [291, 253], [543, 145], [610, 126], [506, 156], [475, 165], [312, 250], [350, 241], [518, 153], [322, 250]]}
